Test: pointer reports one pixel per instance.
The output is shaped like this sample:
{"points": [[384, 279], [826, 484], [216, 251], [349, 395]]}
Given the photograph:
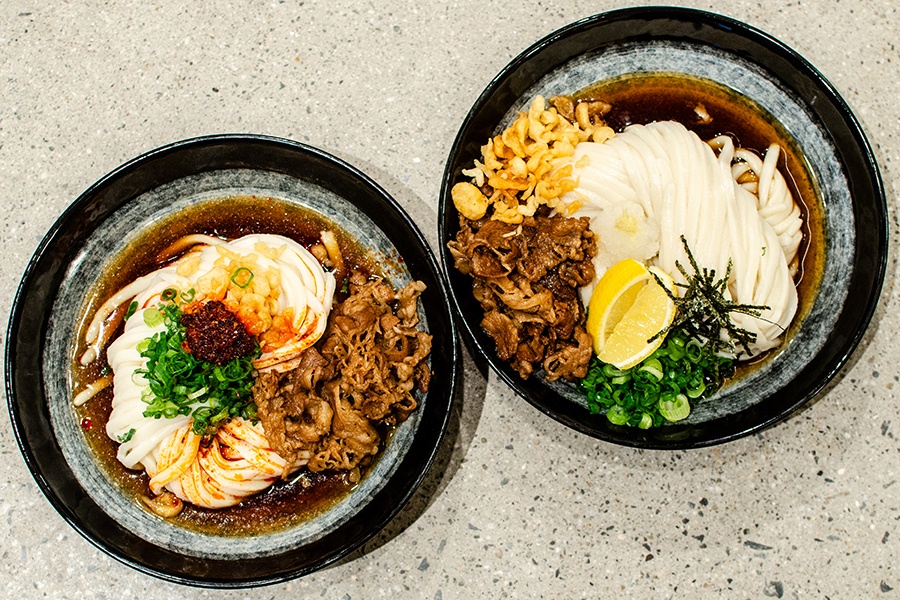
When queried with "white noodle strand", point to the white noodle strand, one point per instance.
{"points": [[690, 188]]}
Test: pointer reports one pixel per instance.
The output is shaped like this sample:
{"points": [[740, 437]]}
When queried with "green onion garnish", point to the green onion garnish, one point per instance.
{"points": [[674, 407], [694, 351], [651, 368], [180, 384], [242, 277], [152, 317], [168, 294], [126, 437], [696, 392], [132, 308], [617, 415], [645, 394]]}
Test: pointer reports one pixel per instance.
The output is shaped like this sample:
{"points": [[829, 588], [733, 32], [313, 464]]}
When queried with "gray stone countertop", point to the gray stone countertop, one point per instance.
{"points": [[518, 506]]}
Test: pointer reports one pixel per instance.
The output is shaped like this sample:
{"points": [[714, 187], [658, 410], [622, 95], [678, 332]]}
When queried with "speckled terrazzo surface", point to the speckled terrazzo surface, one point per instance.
{"points": [[516, 506]]}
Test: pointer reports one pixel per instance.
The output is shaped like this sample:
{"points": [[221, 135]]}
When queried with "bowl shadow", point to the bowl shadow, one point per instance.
{"points": [[468, 404], [468, 397]]}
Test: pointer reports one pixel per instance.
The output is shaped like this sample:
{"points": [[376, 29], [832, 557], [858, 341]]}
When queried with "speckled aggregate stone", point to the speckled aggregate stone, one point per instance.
{"points": [[516, 506]]}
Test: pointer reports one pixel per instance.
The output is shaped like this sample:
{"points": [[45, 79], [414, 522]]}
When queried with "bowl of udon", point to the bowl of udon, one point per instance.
{"points": [[231, 361], [663, 228]]}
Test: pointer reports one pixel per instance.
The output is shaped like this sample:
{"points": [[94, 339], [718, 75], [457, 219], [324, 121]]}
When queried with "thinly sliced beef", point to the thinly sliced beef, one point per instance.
{"points": [[362, 375], [526, 279], [504, 331]]}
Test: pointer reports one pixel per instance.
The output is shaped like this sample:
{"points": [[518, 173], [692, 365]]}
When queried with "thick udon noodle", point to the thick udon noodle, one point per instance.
{"points": [[663, 181], [238, 461]]}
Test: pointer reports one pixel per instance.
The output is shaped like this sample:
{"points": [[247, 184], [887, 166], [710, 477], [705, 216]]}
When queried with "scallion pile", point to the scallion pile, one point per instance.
{"points": [[660, 388], [180, 384]]}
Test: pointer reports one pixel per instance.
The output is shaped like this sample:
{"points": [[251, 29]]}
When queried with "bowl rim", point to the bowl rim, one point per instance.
{"points": [[39, 451], [526, 69]]}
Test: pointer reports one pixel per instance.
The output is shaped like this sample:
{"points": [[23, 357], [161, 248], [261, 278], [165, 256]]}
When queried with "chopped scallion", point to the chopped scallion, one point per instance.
{"points": [[132, 308], [652, 368], [695, 393], [674, 408], [638, 396], [694, 351], [242, 277], [617, 415], [152, 317], [180, 384]]}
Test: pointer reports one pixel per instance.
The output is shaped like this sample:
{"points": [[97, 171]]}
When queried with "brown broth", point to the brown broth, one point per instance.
{"points": [[647, 97], [285, 504]]}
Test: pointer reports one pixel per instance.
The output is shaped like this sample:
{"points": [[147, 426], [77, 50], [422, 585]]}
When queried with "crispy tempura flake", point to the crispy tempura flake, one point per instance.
{"points": [[529, 164]]}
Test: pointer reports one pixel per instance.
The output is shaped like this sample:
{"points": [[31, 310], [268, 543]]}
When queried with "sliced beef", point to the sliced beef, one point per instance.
{"points": [[526, 279], [362, 375]]}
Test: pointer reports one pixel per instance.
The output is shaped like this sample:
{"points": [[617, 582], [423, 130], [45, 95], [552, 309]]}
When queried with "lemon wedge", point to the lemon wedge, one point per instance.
{"points": [[627, 308]]}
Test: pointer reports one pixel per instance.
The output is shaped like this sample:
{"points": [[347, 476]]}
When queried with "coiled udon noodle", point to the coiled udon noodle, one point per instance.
{"points": [[238, 461], [669, 180]]}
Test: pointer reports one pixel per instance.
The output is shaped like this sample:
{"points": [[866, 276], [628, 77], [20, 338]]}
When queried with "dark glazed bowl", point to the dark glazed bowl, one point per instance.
{"points": [[41, 333], [840, 160]]}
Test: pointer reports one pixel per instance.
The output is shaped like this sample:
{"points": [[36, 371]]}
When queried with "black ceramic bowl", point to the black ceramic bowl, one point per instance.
{"points": [[840, 159], [43, 323]]}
